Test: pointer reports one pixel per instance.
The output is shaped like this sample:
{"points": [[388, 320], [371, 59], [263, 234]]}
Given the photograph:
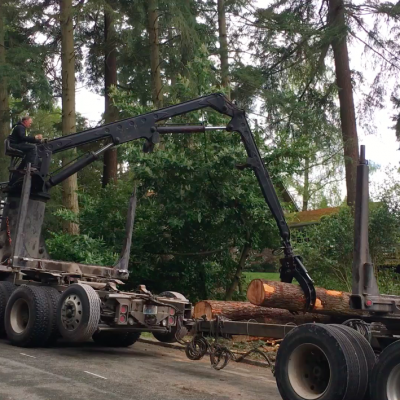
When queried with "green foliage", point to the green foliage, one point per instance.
{"points": [[81, 249], [195, 210], [327, 248], [389, 282], [26, 61]]}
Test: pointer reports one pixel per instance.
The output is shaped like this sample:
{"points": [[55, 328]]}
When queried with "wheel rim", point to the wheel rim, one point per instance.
{"points": [[71, 312], [19, 316], [309, 371], [393, 384]]}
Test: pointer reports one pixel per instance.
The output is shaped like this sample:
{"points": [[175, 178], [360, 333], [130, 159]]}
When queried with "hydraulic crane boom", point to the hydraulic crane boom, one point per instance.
{"points": [[145, 127]]}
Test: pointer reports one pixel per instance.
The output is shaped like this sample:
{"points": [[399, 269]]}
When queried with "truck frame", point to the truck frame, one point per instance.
{"points": [[42, 299]]}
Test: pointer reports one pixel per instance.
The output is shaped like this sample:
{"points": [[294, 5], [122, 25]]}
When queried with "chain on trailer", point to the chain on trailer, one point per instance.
{"points": [[220, 355], [8, 231], [360, 326]]}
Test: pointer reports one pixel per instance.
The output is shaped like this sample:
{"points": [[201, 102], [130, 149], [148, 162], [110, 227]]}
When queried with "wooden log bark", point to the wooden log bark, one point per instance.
{"points": [[243, 311], [290, 297], [337, 21]]}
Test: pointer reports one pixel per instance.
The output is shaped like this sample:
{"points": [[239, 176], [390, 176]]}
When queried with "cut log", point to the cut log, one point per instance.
{"points": [[290, 297], [243, 311]]}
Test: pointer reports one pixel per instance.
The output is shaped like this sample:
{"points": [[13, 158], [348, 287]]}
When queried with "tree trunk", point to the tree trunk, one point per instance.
{"points": [[336, 19], [172, 67], [306, 189], [238, 274], [110, 79], [223, 45], [4, 106], [243, 311], [70, 185], [156, 83], [290, 297], [187, 41]]}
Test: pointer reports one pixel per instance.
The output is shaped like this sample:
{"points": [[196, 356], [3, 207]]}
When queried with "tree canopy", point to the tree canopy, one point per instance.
{"points": [[201, 222]]}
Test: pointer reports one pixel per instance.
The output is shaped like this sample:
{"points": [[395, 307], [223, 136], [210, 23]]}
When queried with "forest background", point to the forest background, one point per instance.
{"points": [[317, 78]]}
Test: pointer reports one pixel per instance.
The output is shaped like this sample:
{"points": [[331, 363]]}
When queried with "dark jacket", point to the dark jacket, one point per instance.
{"points": [[18, 135]]}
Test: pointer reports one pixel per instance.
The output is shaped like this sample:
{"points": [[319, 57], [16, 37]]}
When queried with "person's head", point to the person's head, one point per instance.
{"points": [[26, 121]]}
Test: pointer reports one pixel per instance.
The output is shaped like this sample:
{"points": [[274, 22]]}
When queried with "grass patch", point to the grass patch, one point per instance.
{"points": [[270, 276]]}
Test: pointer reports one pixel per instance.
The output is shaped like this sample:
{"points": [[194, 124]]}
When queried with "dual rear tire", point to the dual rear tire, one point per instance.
{"points": [[36, 316], [324, 362], [27, 317]]}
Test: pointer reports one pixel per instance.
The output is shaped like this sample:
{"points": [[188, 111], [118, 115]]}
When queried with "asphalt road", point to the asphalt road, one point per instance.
{"points": [[142, 372]]}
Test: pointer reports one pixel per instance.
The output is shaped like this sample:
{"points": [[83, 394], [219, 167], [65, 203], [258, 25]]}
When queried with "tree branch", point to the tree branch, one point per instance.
{"points": [[375, 51], [375, 39]]}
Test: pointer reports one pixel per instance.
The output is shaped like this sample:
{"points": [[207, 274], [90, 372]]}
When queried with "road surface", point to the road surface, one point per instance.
{"points": [[142, 372]]}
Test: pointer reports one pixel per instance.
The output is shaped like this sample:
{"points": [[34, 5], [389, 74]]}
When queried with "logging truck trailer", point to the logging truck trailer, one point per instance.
{"points": [[358, 359], [42, 299]]}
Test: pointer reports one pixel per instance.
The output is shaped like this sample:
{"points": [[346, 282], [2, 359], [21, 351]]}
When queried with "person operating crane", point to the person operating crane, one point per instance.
{"points": [[27, 144]]}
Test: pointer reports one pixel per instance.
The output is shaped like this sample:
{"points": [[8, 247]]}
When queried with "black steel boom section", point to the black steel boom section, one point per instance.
{"points": [[145, 127]]}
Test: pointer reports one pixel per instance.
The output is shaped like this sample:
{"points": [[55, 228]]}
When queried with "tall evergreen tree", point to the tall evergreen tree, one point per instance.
{"points": [[155, 63], [294, 42], [70, 185], [110, 79], [336, 20], [223, 44]]}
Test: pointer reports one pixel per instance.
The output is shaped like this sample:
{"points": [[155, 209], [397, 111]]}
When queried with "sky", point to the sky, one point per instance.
{"points": [[381, 147]]}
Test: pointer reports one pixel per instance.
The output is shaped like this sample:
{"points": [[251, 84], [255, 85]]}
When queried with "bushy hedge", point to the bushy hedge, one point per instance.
{"points": [[328, 248]]}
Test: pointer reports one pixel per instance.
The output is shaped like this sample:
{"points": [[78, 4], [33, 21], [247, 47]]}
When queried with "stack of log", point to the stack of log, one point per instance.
{"points": [[290, 297], [280, 303], [244, 311]]}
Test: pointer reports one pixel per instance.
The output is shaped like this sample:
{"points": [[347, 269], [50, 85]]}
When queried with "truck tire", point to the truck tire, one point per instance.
{"points": [[171, 337], [116, 339], [78, 313], [385, 381], [53, 297], [367, 348], [173, 295], [27, 317], [316, 361], [6, 289], [365, 355]]}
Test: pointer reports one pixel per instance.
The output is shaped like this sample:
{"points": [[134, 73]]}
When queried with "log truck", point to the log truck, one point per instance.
{"points": [[43, 299]]}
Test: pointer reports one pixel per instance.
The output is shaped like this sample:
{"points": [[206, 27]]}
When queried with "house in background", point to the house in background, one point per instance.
{"points": [[302, 219]]}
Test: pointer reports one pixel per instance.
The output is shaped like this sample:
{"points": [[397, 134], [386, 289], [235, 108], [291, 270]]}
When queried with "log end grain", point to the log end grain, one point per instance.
{"points": [[291, 297], [203, 308], [256, 291]]}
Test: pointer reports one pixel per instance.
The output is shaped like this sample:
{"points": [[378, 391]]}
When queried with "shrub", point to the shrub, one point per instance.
{"points": [[328, 252]]}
